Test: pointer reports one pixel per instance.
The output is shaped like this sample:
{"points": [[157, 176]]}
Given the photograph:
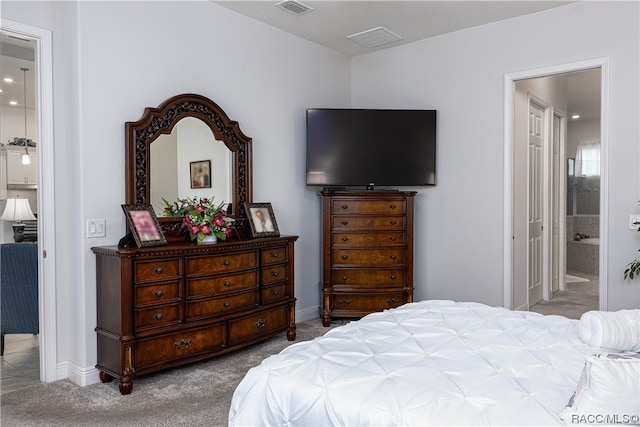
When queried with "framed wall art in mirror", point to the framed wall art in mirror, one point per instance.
{"points": [[200, 174]]}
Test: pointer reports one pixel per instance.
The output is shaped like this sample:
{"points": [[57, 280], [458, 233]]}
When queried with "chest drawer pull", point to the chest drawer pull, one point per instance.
{"points": [[275, 292], [345, 207], [393, 222], [344, 277], [393, 257], [393, 238], [158, 270], [345, 222], [260, 323], [343, 302], [274, 254], [158, 293], [225, 263], [226, 304], [182, 344], [345, 257], [158, 316], [393, 206], [344, 239], [226, 283], [274, 274], [393, 301], [392, 277]]}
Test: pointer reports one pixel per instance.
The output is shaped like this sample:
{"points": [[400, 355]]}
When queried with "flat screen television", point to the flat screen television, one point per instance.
{"points": [[359, 147]]}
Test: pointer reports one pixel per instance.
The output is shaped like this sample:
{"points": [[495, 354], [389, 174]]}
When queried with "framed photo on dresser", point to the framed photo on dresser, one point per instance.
{"points": [[262, 220], [144, 225]]}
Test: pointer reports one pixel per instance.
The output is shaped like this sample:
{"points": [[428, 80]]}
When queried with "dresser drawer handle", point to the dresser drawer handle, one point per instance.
{"points": [[393, 238], [393, 206], [343, 302], [393, 223], [158, 316], [275, 292], [345, 277], [158, 293], [274, 274], [393, 277], [393, 257], [344, 239], [182, 344], [274, 254], [260, 323], [225, 263], [226, 304], [345, 222], [158, 270], [345, 206], [226, 283], [344, 257], [393, 301]]}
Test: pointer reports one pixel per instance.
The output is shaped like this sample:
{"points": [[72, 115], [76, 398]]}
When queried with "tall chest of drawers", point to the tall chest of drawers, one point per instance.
{"points": [[165, 306], [367, 252]]}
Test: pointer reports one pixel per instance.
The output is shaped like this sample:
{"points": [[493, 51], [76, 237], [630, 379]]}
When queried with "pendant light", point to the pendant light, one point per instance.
{"points": [[26, 159]]}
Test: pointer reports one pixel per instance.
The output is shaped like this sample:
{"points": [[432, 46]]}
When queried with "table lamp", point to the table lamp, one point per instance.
{"points": [[17, 210]]}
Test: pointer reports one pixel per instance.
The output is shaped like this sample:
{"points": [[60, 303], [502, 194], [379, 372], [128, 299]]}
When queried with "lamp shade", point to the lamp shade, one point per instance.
{"points": [[17, 209]]}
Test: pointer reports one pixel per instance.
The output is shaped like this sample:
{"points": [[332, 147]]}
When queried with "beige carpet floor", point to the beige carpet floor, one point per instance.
{"points": [[580, 297]]}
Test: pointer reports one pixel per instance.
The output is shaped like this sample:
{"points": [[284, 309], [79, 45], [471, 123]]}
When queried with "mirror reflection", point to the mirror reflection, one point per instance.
{"points": [[189, 162]]}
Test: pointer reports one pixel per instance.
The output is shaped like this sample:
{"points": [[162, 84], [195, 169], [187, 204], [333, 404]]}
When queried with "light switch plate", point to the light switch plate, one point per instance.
{"points": [[96, 228], [632, 220]]}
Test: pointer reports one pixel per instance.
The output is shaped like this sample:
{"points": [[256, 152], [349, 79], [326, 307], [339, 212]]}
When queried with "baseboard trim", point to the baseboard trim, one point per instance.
{"points": [[77, 374], [523, 307], [308, 314]]}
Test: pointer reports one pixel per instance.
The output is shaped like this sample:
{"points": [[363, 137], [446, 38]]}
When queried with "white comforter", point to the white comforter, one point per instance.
{"points": [[425, 363]]}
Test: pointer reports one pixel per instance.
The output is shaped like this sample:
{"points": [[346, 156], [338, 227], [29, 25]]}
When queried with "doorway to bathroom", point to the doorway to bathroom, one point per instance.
{"points": [[555, 198]]}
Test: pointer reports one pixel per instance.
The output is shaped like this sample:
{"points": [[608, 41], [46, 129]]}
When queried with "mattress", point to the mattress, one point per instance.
{"points": [[425, 363]]}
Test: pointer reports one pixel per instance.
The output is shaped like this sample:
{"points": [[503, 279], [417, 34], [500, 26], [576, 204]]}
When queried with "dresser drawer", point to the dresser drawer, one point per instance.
{"points": [[373, 257], [368, 206], [274, 293], [274, 274], [274, 256], [157, 270], [218, 306], [368, 222], [382, 238], [157, 293], [366, 302], [368, 277], [154, 317], [215, 285], [257, 324], [222, 263], [180, 344]]}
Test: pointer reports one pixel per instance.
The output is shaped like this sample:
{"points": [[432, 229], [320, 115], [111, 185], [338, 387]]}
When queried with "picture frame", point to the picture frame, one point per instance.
{"points": [[200, 174], [144, 225], [262, 220]]}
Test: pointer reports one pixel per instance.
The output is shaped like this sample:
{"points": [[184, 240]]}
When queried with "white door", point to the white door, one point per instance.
{"points": [[556, 192], [535, 218]]}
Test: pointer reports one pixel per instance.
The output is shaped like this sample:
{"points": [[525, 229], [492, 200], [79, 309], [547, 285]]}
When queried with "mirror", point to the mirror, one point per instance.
{"points": [[189, 162], [199, 137]]}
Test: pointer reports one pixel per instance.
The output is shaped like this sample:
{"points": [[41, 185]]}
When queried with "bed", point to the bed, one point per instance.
{"points": [[425, 363]]}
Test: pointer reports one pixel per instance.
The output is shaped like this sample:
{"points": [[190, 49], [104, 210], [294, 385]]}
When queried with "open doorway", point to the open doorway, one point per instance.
{"points": [[556, 268]]}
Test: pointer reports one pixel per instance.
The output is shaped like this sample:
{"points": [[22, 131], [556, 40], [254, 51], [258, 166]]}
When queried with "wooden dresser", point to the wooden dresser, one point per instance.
{"points": [[160, 307], [367, 252]]}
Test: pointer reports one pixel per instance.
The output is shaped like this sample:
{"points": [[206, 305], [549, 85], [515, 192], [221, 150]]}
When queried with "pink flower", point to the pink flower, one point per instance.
{"points": [[194, 229], [219, 221], [206, 230], [227, 232]]}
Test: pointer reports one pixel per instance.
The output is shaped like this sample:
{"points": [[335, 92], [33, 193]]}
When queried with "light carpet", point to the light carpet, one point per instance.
{"points": [[198, 394]]}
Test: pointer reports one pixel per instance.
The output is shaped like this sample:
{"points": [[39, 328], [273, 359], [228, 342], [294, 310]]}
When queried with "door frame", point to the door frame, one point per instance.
{"points": [[509, 92], [46, 191]]}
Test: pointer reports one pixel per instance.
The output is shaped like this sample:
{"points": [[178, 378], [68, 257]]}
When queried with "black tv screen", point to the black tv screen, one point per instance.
{"points": [[354, 147]]}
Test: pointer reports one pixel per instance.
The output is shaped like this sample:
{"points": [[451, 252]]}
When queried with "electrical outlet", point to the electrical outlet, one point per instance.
{"points": [[96, 228], [632, 220]]}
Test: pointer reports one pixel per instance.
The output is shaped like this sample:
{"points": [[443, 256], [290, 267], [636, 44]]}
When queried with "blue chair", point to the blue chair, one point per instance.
{"points": [[18, 289]]}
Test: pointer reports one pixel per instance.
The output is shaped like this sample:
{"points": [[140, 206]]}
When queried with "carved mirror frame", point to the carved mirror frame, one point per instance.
{"points": [[154, 122]]}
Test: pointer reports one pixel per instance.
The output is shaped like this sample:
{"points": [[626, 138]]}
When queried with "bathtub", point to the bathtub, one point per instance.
{"points": [[584, 255]]}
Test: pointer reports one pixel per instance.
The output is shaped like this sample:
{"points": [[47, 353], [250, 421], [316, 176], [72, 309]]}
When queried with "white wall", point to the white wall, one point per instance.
{"points": [[113, 59], [459, 223]]}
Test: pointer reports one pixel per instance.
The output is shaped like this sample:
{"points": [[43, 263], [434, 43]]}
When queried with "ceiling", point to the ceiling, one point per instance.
{"points": [[16, 53], [331, 22]]}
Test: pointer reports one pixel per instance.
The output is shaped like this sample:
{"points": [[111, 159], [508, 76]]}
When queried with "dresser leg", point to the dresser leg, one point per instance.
{"points": [[105, 378], [125, 386], [291, 334], [326, 320]]}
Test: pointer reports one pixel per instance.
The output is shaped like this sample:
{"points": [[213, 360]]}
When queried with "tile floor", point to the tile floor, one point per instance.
{"points": [[579, 298], [20, 364]]}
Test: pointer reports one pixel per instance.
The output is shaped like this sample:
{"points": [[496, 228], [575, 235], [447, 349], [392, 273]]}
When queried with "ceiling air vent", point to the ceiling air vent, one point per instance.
{"points": [[295, 7], [374, 37]]}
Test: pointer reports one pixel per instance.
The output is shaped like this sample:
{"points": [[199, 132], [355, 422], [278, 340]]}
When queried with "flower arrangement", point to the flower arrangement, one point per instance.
{"points": [[202, 217]]}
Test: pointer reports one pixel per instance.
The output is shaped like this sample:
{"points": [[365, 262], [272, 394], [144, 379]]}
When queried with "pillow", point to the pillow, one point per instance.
{"points": [[608, 391], [619, 330]]}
